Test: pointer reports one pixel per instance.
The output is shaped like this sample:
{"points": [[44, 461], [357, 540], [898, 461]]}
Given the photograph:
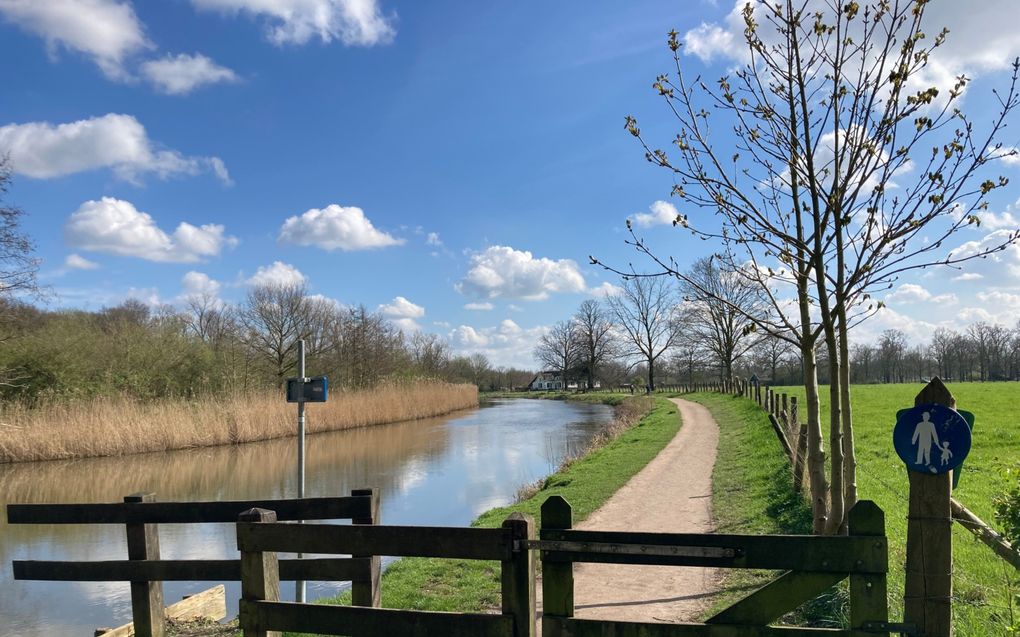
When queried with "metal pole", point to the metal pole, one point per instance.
{"points": [[299, 586]]}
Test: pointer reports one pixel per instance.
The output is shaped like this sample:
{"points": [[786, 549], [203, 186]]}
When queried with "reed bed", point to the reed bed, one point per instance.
{"points": [[117, 426]]}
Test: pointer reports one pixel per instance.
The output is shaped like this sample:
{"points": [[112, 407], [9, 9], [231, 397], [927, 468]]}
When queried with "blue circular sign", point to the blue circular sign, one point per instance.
{"points": [[931, 438]]}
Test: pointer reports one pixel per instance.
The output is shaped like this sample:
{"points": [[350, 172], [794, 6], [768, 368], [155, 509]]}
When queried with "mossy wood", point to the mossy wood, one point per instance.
{"points": [[814, 564]]}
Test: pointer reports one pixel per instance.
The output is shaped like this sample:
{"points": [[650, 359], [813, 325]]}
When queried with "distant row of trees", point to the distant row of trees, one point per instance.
{"points": [[210, 347]]}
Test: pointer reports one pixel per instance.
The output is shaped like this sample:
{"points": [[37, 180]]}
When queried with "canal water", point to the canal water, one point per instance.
{"points": [[441, 471]]}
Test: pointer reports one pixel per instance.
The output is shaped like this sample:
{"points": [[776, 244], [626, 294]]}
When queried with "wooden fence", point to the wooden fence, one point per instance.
{"points": [[260, 536], [141, 514], [812, 564]]}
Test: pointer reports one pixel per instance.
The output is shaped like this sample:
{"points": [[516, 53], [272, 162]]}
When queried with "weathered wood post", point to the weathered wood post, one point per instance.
{"points": [[557, 574], [146, 597], [518, 575], [801, 457], [260, 574], [868, 591], [927, 600], [368, 592]]}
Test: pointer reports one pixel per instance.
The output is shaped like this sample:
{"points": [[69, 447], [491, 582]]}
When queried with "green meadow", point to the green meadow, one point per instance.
{"points": [[985, 586]]}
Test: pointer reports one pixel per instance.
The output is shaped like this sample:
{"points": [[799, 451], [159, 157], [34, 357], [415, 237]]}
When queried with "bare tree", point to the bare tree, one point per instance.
{"points": [[274, 318], [825, 113], [647, 313], [18, 266], [594, 333], [558, 350], [429, 353], [719, 303]]}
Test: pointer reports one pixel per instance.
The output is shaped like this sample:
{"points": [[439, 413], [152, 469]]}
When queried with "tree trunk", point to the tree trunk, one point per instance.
{"points": [[836, 509], [816, 452], [849, 450], [651, 375]]}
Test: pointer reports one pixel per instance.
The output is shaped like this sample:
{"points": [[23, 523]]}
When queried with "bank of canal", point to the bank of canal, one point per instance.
{"points": [[443, 471]]}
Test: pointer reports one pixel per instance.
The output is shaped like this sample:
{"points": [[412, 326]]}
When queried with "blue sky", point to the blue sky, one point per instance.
{"points": [[452, 164]]}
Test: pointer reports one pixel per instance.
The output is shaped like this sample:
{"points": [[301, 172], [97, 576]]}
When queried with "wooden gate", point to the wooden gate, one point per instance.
{"points": [[812, 564]]}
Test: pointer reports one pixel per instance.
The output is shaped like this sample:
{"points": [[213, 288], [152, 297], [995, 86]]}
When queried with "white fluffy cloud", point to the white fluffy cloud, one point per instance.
{"points": [[400, 307], [981, 38], [108, 31], [181, 74], [505, 344], [43, 150], [606, 289], [332, 227], [115, 226], [662, 213], [352, 22], [77, 262], [279, 273], [479, 307], [403, 313], [913, 293], [199, 284], [503, 272]]}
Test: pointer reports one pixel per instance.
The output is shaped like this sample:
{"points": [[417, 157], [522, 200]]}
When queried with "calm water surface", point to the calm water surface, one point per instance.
{"points": [[442, 471]]}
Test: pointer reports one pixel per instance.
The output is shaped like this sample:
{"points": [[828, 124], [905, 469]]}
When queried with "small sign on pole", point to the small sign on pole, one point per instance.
{"points": [[301, 390]]}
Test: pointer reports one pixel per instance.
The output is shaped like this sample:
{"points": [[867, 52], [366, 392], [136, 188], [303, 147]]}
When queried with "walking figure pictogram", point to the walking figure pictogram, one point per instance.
{"points": [[924, 435]]}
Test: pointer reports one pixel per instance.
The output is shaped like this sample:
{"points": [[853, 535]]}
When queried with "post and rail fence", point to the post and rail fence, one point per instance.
{"points": [[141, 514]]}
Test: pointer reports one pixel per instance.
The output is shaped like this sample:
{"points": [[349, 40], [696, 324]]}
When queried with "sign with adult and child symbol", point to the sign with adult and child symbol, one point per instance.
{"points": [[931, 438]]}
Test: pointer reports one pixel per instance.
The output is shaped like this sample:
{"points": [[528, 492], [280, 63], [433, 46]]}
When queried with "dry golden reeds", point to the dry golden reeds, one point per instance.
{"points": [[116, 426]]}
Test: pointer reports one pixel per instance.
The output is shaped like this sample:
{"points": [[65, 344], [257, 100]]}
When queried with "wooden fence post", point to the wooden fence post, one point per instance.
{"points": [[868, 591], [557, 575], [260, 576], [146, 597], [518, 575], [801, 455], [368, 592], [928, 590]]}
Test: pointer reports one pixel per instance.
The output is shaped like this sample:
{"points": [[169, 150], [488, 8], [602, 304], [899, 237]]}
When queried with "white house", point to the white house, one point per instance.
{"points": [[551, 381]]}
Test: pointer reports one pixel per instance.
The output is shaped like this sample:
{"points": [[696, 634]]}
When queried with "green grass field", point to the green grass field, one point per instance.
{"points": [[985, 586]]}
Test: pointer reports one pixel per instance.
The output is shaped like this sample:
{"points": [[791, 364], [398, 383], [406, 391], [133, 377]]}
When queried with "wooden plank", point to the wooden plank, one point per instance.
{"points": [[260, 576], [982, 531], [187, 512], [571, 627], [778, 597], [518, 577], [357, 621], [400, 541], [367, 591], [146, 596], [210, 604], [831, 554], [313, 570], [557, 574], [869, 601]]}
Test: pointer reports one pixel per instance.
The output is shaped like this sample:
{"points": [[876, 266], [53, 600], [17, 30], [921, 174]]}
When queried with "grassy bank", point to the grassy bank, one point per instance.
{"points": [[111, 426], [586, 482], [985, 588], [752, 492]]}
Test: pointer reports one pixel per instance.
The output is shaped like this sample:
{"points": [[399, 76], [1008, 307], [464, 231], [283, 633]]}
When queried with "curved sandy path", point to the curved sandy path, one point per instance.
{"points": [[672, 494]]}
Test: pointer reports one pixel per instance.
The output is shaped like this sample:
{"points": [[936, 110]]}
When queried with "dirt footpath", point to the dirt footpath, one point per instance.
{"points": [[672, 494]]}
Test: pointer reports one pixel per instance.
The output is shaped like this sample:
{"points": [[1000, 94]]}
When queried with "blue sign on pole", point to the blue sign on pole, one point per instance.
{"points": [[931, 438]]}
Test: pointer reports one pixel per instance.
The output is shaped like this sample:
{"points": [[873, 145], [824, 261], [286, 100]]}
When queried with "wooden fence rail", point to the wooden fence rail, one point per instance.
{"points": [[813, 564], [141, 514], [260, 537]]}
